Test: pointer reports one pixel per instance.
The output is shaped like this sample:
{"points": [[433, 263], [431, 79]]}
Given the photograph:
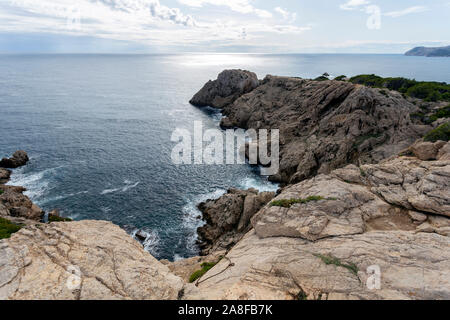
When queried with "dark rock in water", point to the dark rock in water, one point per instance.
{"points": [[19, 159], [429, 52], [229, 86], [141, 235], [228, 218]]}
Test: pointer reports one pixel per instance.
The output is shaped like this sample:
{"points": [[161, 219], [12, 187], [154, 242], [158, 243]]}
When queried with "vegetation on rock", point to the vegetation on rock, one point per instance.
{"points": [[330, 260], [200, 273], [7, 228], [426, 90], [440, 133]]}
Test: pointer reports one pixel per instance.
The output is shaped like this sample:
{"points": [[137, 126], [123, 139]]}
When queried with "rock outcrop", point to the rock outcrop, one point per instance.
{"points": [[324, 125], [19, 159], [390, 218], [228, 218], [93, 260], [14, 205], [229, 86]]}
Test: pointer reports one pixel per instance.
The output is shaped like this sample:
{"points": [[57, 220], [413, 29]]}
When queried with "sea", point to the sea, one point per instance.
{"points": [[98, 131]]}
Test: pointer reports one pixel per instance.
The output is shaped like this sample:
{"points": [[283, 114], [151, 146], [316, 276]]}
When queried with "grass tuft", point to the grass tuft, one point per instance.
{"points": [[200, 273]]}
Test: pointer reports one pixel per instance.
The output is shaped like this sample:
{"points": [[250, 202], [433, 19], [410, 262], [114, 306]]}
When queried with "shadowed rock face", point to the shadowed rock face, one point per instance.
{"points": [[228, 218], [229, 86], [324, 125]]}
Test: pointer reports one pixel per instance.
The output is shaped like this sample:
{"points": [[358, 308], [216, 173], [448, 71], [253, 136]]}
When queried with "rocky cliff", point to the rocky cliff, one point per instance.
{"points": [[364, 213], [323, 125]]}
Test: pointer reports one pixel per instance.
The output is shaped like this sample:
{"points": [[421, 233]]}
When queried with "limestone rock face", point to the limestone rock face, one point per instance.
{"points": [[228, 218], [81, 260], [19, 158], [411, 265], [229, 86]]}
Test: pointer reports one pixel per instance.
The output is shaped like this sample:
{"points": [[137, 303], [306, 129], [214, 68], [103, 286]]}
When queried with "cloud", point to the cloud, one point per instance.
{"points": [[291, 17], [241, 6], [415, 9], [353, 4], [147, 22]]}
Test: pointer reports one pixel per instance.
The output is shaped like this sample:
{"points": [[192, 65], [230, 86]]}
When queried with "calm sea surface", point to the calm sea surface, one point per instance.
{"points": [[98, 129]]}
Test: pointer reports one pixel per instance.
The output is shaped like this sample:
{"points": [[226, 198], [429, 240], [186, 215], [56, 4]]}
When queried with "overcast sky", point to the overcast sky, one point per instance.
{"points": [[260, 26]]}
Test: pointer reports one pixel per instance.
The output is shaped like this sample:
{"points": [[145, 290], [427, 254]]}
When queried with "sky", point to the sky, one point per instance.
{"points": [[250, 26]]}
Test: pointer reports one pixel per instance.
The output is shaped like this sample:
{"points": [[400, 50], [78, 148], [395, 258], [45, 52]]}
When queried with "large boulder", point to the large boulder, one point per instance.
{"points": [[92, 260], [229, 86], [19, 159]]}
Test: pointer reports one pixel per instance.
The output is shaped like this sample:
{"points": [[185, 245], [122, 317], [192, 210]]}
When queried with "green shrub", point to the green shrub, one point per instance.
{"points": [[1, 191], [321, 78], [285, 203], [340, 78], [330, 260], [441, 113], [7, 228], [200, 273], [440, 133], [426, 90]]}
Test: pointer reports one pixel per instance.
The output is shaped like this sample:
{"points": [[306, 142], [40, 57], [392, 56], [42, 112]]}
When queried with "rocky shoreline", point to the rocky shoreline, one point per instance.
{"points": [[363, 195]]}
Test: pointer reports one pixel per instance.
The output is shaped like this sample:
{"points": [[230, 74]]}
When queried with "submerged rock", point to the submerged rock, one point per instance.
{"points": [[19, 159]]}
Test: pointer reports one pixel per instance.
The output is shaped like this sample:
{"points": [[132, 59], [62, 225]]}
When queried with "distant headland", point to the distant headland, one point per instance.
{"points": [[429, 52]]}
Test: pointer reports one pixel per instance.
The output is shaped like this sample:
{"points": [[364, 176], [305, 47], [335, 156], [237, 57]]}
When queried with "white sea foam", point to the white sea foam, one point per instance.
{"points": [[260, 184], [128, 185], [37, 183], [151, 242], [191, 214]]}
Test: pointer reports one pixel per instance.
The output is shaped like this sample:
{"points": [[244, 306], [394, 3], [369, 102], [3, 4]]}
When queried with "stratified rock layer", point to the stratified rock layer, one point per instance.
{"points": [[81, 260]]}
